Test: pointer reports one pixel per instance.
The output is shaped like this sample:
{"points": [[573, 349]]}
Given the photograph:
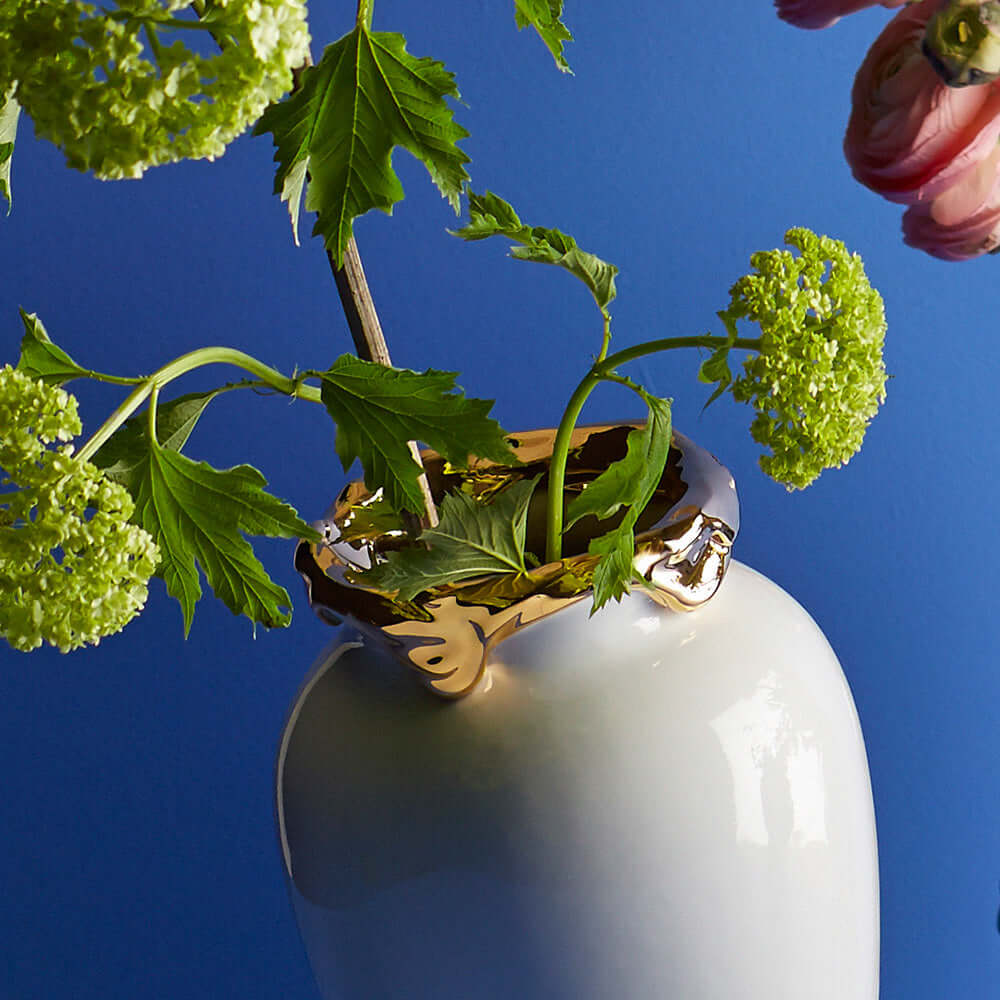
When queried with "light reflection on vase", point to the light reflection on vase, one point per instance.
{"points": [[756, 736], [643, 805]]}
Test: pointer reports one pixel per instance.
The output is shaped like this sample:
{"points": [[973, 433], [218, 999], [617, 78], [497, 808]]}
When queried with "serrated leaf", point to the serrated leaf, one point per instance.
{"points": [[545, 16], [566, 578], [291, 193], [128, 447], [42, 359], [613, 575], [629, 482], [9, 112], [499, 590], [366, 96], [197, 516], [632, 479], [490, 215], [472, 539], [379, 409], [715, 368]]}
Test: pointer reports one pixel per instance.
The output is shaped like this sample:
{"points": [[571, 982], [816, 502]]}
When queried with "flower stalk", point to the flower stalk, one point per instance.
{"points": [[603, 370], [150, 387]]}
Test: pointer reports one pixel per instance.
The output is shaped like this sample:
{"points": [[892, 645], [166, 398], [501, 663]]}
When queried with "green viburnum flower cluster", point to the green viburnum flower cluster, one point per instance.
{"points": [[85, 76], [819, 377], [72, 566]]}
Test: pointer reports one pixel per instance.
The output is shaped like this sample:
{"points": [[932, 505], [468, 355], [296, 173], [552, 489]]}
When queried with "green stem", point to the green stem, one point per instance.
{"points": [[172, 23], [132, 402], [154, 44], [622, 380], [603, 370], [607, 335], [113, 379], [560, 449], [365, 10], [270, 377], [557, 466], [154, 398], [669, 343]]}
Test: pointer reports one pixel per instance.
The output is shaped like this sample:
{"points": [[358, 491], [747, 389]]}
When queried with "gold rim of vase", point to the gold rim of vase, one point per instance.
{"points": [[683, 544]]}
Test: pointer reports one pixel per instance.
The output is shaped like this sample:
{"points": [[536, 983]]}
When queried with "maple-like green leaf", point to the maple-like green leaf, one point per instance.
{"points": [[715, 369], [335, 134], [490, 215], [499, 590], [378, 409], [472, 539], [565, 578], [9, 112], [197, 516], [41, 358], [614, 573], [632, 479], [545, 16], [630, 482], [127, 448]]}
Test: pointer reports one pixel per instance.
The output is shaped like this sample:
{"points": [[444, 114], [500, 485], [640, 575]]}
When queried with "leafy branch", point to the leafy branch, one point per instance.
{"points": [[490, 215], [197, 516], [814, 375], [473, 539]]}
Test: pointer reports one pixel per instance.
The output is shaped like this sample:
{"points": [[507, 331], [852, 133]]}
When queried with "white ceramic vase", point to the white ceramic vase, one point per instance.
{"points": [[642, 805]]}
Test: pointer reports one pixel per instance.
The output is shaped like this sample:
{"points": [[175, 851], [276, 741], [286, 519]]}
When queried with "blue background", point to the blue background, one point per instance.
{"points": [[139, 855]]}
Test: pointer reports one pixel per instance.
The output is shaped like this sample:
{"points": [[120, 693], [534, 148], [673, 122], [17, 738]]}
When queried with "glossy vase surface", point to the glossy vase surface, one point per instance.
{"points": [[642, 805]]}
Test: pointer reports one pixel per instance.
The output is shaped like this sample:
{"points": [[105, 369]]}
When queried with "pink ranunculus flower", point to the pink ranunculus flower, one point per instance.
{"points": [[823, 13], [910, 136], [964, 221]]}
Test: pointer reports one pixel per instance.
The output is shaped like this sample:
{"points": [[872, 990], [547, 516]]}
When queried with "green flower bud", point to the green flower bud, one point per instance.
{"points": [[962, 42]]}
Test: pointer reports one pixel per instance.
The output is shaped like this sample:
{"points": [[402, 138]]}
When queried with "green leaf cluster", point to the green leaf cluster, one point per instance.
{"points": [[199, 515], [490, 215], [628, 483], [472, 539], [196, 515], [478, 550], [334, 136]]}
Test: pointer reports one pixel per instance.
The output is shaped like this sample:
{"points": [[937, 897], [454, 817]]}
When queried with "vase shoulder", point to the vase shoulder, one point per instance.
{"points": [[641, 804]]}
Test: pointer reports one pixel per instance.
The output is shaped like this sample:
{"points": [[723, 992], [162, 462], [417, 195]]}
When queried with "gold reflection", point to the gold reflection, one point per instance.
{"points": [[683, 543]]}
